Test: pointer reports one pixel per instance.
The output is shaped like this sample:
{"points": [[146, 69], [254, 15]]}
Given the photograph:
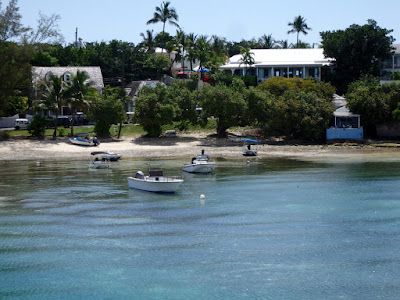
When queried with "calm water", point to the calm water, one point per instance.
{"points": [[268, 229]]}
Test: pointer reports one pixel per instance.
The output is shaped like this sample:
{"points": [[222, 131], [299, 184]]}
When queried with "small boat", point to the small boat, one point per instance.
{"points": [[84, 139], [200, 164], [250, 147], [155, 181], [111, 156], [98, 162]]}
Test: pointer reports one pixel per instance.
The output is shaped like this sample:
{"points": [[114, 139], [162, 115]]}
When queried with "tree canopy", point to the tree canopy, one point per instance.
{"points": [[356, 50]]}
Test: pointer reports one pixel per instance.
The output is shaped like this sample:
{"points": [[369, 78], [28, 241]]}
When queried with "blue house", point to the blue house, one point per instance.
{"points": [[346, 125]]}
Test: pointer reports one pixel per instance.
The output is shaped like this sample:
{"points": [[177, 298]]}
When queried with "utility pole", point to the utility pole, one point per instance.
{"points": [[76, 37]]}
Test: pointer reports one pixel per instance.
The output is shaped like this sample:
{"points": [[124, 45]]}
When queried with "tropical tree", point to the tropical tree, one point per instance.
{"points": [[79, 94], [164, 14], [247, 58], [10, 22], [267, 41], [154, 108], [298, 25], [54, 96], [223, 103], [148, 40], [107, 109], [357, 50]]}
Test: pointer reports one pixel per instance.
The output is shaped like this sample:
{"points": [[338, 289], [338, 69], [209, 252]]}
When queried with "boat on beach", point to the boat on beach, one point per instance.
{"points": [[98, 162], [155, 181], [200, 164], [250, 147], [84, 139]]}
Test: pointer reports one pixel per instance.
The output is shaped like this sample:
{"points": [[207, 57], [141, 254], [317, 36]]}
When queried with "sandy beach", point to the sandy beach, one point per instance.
{"points": [[186, 146]]}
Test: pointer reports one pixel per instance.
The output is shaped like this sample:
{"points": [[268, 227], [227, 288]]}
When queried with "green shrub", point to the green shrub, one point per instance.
{"points": [[38, 126], [4, 135]]}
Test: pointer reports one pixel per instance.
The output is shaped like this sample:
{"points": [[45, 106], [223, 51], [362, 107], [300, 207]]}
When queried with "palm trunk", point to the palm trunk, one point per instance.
{"points": [[55, 127]]}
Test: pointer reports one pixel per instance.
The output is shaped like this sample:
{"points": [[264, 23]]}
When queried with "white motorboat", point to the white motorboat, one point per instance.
{"points": [[84, 139], [111, 156], [155, 181], [98, 162], [250, 147], [200, 164]]}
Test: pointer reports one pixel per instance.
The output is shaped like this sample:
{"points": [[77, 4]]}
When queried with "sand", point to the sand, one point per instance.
{"points": [[186, 146]]}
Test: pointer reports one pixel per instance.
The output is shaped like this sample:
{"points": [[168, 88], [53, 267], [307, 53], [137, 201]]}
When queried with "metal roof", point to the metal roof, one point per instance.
{"points": [[282, 57], [344, 112]]}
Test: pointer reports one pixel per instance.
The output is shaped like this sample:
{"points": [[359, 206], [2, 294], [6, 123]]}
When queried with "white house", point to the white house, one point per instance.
{"points": [[40, 74], [302, 63]]}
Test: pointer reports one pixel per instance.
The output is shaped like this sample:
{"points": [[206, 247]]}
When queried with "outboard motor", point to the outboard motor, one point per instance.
{"points": [[139, 175]]}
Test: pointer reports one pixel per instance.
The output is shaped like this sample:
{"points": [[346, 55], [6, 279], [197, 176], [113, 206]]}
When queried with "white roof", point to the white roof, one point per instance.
{"points": [[344, 112], [282, 57], [39, 73]]}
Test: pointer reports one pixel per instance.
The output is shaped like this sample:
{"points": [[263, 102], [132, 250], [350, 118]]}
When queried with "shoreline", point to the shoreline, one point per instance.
{"points": [[188, 145]]}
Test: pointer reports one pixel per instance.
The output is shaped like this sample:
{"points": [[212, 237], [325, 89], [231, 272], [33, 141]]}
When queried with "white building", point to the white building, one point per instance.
{"points": [[302, 63], [392, 65]]}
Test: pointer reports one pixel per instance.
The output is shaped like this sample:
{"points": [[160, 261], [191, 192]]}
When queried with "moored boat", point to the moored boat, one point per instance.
{"points": [[98, 162], [250, 147], [111, 156], [200, 164], [155, 181]]}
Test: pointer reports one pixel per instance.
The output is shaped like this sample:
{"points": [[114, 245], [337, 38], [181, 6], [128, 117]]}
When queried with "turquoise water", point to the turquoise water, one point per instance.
{"points": [[267, 229]]}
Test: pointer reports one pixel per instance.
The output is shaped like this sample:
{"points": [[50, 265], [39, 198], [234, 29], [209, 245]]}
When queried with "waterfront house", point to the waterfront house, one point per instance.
{"points": [[346, 124], [41, 74], [302, 63]]}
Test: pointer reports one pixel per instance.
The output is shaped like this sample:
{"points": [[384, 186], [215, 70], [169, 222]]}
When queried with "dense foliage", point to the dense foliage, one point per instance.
{"points": [[106, 110], [375, 103], [357, 50]]}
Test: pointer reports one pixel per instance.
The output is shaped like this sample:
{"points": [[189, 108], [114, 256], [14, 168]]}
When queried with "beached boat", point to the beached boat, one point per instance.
{"points": [[84, 139], [200, 164], [111, 156], [98, 162], [155, 181], [250, 147]]}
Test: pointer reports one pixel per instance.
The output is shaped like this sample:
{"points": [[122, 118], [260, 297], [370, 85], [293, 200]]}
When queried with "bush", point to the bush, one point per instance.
{"points": [[38, 126], [4, 135]]}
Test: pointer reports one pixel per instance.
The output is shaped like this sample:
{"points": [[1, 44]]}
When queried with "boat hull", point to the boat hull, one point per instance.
{"points": [[111, 157], [83, 142], [199, 167], [250, 153], [152, 184]]}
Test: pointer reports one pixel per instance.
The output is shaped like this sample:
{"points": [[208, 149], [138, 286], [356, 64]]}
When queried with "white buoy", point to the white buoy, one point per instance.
{"points": [[38, 163], [202, 196]]}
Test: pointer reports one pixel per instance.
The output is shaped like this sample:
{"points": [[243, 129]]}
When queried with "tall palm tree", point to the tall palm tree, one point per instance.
{"points": [[163, 14], [202, 48], [54, 96], [191, 54], [181, 43], [299, 25], [80, 93]]}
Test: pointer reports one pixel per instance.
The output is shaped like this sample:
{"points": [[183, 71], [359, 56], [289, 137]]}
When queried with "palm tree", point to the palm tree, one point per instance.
{"points": [[202, 48], [191, 54], [54, 96], [181, 43], [79, 93], [267, 41], [299, 25], [247, 58], [148, 40], [164, 14]]}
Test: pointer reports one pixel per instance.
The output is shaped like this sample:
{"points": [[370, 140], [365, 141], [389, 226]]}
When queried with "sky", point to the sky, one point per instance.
{"points": [[105, 20]]}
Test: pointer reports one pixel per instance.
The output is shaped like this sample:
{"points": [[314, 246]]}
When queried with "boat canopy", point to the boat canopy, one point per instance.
{"points": [[250, 141], [98, 152]]}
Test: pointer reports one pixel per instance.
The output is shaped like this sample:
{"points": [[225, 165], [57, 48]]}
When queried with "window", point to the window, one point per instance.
{"points": [[67, 78]]}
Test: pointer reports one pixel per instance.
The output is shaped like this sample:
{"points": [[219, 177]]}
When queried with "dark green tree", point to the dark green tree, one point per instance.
{"points": [[356, 50], [223, 103], [154, 108]]}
